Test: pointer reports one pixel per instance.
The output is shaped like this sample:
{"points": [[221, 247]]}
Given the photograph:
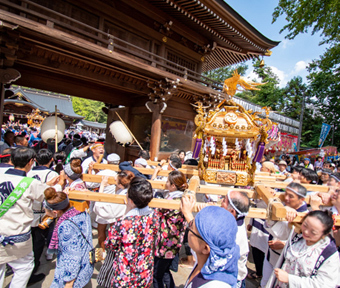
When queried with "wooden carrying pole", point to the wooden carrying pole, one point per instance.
{"points": [[203, 189], [173, 204], [278, 210], [133, 136], [194, 172]]}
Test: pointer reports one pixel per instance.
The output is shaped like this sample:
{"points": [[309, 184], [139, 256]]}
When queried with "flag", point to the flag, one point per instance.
{"points": [[324, 132]]}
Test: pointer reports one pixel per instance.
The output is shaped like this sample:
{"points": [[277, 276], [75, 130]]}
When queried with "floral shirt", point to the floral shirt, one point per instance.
{"points": [[130, 259], [170, 237]]}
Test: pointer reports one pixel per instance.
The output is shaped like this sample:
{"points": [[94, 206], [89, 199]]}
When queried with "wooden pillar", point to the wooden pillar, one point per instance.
{"points": [[7, 76], [156, 131]]}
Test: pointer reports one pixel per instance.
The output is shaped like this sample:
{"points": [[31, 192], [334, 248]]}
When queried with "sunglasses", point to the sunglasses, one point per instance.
{"points": [[189, 227]]}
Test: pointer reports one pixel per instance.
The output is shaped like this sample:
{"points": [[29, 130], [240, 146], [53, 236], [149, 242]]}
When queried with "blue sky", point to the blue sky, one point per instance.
{"points": [[290, 57]]}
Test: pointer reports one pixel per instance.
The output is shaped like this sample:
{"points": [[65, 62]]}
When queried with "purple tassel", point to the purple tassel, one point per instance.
{"points": [[197, 149], [259, 152]]}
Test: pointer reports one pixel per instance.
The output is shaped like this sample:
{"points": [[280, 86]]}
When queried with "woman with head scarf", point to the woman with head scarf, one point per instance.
{"points": [[71, 240], [212, 235]]}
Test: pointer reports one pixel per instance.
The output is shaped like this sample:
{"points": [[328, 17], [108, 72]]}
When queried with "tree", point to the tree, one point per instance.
{"points": [[269, 94], [324, 73], [320, 15], [220, 74], [293, 95], [90, 109]]}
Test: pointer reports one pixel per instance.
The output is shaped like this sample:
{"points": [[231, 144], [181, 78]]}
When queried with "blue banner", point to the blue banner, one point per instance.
{"points": [[295, 147], [324, 132]]}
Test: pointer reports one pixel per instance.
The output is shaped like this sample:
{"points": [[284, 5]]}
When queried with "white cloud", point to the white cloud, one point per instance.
{"points": [[299, 66], [299, 69], [283, 77], [252, 76], [285, 43]]}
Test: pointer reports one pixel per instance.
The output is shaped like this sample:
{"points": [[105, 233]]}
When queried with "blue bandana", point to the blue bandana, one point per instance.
{"points": [[218, 228]]}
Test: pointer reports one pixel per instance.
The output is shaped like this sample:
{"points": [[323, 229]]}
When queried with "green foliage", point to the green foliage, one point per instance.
{"points": [[293, 98], [90, 109], [322, 16], [319, 15], [270, 94], [220, 74]]}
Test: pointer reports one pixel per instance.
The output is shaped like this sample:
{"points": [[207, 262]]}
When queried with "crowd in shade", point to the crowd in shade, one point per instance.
{"points": [[144, 246]]}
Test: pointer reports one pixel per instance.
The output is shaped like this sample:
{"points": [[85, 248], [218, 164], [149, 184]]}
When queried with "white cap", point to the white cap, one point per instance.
{"points": [[141, 161], [113, 157]]}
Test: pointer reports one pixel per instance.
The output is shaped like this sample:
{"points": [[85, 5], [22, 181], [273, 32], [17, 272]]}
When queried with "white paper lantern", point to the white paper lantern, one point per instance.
{"points": [[120, 133], [47, 130]]}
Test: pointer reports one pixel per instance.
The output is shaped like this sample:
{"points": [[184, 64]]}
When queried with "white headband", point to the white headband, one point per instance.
{"points": [[296, 192], [334, 177], [172, 166], [239, 213]]}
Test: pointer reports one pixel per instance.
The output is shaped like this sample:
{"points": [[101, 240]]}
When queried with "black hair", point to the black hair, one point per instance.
{"points": [[325, 218], [241, 203], [18, 139], [190, 162], [140, 192], [44, 156], [176, 163], [84, 140], [59, 160], [144, 154], [173, 156], [310, 175], [6, 152], [8, 132], [180, 151], [296, 169], [21, 156], [299, 188]]}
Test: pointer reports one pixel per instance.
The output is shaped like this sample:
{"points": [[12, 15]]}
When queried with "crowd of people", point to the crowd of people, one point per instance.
{"points": [[143, 244]]}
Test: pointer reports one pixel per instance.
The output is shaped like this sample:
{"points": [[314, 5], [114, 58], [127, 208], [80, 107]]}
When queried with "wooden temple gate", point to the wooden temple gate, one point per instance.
{"points": [[143, 58]]}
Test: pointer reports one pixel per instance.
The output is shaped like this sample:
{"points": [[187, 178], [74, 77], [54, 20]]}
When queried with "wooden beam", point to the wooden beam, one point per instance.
{"points": [[146, 171], [283, 185], [155, 202], [205, 189], [194, 184], [155, 163], [167, 204], [278, 210], [271, 178]]}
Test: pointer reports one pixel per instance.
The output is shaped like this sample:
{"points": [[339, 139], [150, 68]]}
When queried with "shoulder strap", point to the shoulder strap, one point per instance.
{"points": [[79, 229], [15, 195], [47, 175], [326, 253]]}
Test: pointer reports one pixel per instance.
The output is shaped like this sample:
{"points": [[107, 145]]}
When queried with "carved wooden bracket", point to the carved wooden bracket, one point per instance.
{"points": [[9, 44], [161, 92], [9, 75]]}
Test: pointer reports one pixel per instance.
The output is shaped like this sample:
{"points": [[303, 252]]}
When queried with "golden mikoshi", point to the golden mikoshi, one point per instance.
{"points": [[229, 139]]}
